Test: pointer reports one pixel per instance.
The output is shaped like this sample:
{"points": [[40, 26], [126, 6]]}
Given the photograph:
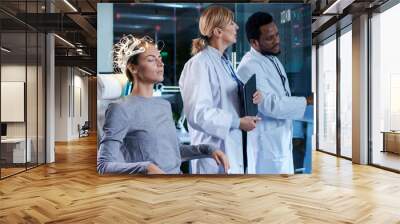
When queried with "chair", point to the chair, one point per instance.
{"points": [[110, 87], [84, 129]]}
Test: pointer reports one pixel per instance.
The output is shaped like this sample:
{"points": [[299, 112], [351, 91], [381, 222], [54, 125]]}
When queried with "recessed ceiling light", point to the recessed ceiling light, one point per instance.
{"points": [[337, 7], [5, 50], [70, 5], [84, 71], [64, 40]]}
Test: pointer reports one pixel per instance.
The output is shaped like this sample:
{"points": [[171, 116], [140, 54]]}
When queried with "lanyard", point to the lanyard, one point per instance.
{"points": [[283, 79], [231, 71]]}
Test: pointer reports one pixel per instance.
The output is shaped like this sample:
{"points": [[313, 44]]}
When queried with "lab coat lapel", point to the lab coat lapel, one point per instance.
{"points": [[269, 70]]}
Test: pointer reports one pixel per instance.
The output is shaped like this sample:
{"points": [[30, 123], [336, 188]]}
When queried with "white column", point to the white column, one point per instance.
{"points": [[50, 92], [50, 100]]}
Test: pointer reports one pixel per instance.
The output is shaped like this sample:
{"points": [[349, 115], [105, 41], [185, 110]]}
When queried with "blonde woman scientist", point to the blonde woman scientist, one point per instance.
{"points": [[139, 132], [209, 87]]}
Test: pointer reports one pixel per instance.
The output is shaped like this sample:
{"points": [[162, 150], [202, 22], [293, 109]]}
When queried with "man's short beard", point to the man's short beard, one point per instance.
{"points": [[270, 53]]}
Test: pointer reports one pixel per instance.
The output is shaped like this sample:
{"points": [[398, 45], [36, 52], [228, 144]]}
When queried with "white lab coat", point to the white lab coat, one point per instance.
{"points": [[211, 102], [272, 138]]}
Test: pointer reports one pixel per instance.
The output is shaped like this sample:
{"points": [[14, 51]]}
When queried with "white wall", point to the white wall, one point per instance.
{"points": [[33, 126], [79, 115], [71, 94], [61, 103], [13, 73]]}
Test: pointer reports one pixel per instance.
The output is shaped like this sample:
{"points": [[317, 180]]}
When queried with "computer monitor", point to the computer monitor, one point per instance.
{"points": [[3, 129]]}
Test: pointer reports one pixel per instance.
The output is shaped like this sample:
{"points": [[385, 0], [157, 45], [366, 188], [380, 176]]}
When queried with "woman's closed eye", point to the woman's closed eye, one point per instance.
{"points": [[152, 58]]}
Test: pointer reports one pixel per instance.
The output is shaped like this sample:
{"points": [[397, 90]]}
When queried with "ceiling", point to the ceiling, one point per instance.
{"points": [[76, 25], [75, 21]]}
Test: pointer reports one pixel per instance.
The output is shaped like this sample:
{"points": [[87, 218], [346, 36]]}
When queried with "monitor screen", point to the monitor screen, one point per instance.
{"points": [[3, 129]]}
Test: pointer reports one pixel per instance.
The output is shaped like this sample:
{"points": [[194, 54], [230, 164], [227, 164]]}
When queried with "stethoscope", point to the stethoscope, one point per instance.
{"points": [[283, 78], [231, 71]]}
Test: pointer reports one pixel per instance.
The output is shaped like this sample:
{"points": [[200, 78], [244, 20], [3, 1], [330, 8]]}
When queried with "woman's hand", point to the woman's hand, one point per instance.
{"points": [[310, 100], [257, 97], [248, 123], [221, 159], [154, 169]]}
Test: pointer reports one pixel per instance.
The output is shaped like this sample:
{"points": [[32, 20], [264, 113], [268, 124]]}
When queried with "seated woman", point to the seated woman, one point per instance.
{"points": [[139, 132]]}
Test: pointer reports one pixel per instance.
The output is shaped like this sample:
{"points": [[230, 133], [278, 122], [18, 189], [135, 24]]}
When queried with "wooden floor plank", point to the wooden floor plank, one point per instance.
{"points": [[70, 191]]}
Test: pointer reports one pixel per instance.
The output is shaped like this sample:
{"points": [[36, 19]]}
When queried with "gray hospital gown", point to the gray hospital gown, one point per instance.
{"points": [[139, 131]]}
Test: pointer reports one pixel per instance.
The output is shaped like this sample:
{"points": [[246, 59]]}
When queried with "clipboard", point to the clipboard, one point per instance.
{"points": [[249, 88], [249, 109]]}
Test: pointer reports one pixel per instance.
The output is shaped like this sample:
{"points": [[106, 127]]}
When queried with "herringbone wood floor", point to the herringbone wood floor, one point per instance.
{"points": [[70, 191]]}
